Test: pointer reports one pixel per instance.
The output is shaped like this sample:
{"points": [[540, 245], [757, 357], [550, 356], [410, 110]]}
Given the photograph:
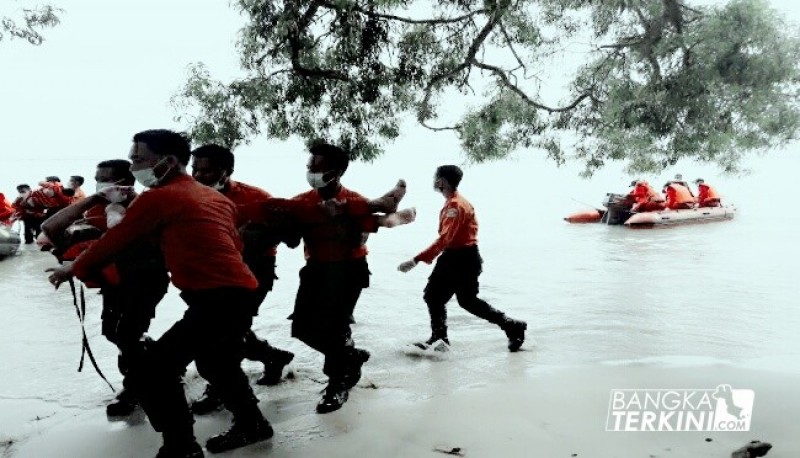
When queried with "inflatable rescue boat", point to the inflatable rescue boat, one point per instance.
{"points": [[617, 211]]}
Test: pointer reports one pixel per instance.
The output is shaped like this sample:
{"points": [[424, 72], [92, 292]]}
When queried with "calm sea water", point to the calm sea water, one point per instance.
{"points": [[591, 294]]}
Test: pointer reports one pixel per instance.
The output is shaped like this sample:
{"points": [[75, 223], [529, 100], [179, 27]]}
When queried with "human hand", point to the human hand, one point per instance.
{"points": [[405, 216], [59, 275], [406, 266], [116, 194]]}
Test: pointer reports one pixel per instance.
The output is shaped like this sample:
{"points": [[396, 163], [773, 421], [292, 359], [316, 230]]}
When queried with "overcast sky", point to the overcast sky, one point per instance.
{"points": [[109, 70]]}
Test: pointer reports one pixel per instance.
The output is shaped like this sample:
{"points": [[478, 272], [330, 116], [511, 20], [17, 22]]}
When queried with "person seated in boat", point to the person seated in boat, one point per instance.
{"points": [[678, 180], [678, 196], [706, 195], [646, 199], [6, 210]]}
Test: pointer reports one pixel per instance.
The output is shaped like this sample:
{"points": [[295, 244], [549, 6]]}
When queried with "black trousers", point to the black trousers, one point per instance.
{"points": [[263, 267], [211, 333], [456, 273], [33, 227], [325, 300], [128, 310]]}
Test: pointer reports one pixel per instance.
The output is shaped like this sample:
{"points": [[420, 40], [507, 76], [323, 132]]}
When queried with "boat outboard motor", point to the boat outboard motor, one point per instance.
{"points": [[619, 209]]}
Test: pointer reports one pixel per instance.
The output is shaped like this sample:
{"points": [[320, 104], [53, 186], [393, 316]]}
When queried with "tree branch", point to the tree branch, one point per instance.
{"points": [[513, 50], [439, 129], [294, 43], [392, 17], [470, 56], [501, 74]]}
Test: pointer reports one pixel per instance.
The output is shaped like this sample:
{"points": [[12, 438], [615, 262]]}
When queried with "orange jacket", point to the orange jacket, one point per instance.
{"points": [[643, 193], [706, 193], [244, 196], [195, 228], [327, 239], [458, 228], [678, 194]]}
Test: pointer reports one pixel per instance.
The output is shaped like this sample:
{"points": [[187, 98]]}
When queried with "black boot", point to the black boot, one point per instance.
{"points": [[240, 435], [187, 450], [207, 403], [356, 358], [515, 331], [124, 404], [334, 397], [273, 367]]}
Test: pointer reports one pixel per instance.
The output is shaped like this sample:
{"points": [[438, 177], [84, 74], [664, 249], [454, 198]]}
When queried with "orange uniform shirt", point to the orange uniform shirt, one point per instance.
{"points": [[96, 216], [458, 228], [706, 192], [79, 195], [327, 239], [194, 226], [245, 196]]}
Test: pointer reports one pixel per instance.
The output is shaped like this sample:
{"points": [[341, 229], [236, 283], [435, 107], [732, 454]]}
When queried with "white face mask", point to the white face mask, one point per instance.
{"points": [[220, 185], [147, 178], [316, 180], [100, 186]]}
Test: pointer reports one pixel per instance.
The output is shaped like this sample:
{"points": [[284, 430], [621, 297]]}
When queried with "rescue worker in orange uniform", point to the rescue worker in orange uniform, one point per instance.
{"points": [[679, 197], [335, 273], [31, 216], [459, 266], [195, 229], [706, 195], [75, 183], [212, 165], [130, 299], [646, 199]]}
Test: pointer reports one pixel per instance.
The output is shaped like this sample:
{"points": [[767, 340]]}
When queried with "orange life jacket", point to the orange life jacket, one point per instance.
{"points": [[706, 193], [643, 193], [6, 209], [678, 194]]}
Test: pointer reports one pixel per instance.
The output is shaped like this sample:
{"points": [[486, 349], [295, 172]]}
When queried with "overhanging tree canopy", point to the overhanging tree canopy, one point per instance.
{"points": [[27, 22], [661, 80]]}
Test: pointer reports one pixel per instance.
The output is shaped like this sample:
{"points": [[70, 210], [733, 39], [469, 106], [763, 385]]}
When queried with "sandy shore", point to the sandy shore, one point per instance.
{"points": [[556, 414]]}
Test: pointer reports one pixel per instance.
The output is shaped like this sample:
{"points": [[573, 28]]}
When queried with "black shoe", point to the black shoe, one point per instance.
{"points": [[273, 368], [123, 405], [240, 436], [333, 398], [515, 331], [207, 403], [357, 359], [190, 450], [428, 344]]}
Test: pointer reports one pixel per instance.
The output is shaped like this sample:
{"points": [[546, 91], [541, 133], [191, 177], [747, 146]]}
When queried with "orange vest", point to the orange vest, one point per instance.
{"points": [[678, 194], [643, 193], [706, 193]]}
